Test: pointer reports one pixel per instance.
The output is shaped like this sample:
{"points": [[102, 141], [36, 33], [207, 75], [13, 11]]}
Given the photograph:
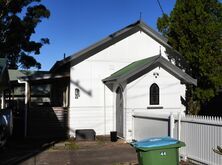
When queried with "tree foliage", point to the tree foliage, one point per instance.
{"points": [[194, 28], [18, 20]]}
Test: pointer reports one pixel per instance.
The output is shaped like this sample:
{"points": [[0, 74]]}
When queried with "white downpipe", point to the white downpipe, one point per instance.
{"points": [[125, 114], [114, 111], [104, 109], [26, 103], [179, 127], [171, 125]]}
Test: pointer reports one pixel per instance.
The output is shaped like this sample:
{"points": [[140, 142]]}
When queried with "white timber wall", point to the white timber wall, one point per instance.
{"points": [[95, 107], [138, 94], [170, 88]]}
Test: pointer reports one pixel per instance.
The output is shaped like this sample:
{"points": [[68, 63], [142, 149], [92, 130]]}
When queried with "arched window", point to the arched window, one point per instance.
{"points": [[154, 94]]}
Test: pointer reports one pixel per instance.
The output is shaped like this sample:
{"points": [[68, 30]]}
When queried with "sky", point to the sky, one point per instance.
{"points": [[76, 24]]}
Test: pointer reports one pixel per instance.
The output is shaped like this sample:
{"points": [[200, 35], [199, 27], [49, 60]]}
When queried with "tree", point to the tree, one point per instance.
{"points": [[18, 20], [194, 28], [218, 150]]}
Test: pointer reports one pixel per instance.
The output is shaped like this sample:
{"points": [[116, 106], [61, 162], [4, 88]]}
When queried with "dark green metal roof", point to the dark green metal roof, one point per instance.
{"points": [[141, 67], [133, 67]]}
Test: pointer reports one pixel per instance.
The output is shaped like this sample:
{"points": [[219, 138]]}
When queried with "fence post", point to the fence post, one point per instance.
{"points": [[2, 101], [171, 125]]}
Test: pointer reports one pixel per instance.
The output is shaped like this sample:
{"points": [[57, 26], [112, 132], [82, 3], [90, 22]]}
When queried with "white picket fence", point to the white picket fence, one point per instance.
{"points": [[199, 133]]}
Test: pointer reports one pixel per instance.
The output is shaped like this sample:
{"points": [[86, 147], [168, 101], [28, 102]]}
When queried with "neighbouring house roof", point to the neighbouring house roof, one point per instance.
{"points": [[34, 76], [112, 39], [141, 67], [40, 78], [4, 78], [44, 76], [15, 74]]}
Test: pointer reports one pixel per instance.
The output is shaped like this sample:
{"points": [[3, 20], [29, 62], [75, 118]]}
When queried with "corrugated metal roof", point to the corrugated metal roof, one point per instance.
{"points": [[133, 67], [45, 76], [15, 74]]}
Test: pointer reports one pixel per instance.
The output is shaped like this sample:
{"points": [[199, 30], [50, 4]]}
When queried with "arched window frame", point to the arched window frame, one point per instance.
{"points": [[154, 94]]}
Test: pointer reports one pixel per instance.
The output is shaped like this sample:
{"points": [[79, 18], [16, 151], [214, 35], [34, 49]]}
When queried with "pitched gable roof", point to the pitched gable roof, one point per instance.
{"points": [[112, 39], [141, 67]]}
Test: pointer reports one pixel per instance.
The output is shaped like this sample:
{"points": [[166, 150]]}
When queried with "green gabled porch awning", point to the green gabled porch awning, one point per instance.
{"points": [[131, 68], [141, 67]]}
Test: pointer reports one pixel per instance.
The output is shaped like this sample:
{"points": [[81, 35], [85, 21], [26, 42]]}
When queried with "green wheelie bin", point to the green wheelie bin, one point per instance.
{"points": [[158, 151]]}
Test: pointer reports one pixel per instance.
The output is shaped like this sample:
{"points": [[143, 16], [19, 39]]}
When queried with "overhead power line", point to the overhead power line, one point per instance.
{"points": [[160, 6]]}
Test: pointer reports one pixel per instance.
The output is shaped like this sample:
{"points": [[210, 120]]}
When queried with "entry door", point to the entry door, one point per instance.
{"points": [[119, 112]]}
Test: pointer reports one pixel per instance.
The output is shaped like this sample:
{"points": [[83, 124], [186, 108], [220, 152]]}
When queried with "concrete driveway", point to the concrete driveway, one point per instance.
{"points": [[86, 153], [99, 152], [68, 152]]}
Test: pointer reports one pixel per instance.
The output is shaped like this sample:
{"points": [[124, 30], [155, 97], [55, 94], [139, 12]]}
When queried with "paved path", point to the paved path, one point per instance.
{"points": [[101, 155], [51, 152], [77, 153]]}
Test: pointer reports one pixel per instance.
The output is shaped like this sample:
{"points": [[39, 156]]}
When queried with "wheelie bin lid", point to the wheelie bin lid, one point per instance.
{"points": [[157, 142]]}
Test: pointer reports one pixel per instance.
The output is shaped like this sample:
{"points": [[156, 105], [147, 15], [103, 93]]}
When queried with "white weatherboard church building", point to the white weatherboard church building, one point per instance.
{"points": [[126, 71]]}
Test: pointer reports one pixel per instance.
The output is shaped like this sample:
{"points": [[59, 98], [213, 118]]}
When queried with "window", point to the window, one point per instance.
{"points": [[154, 94]]}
